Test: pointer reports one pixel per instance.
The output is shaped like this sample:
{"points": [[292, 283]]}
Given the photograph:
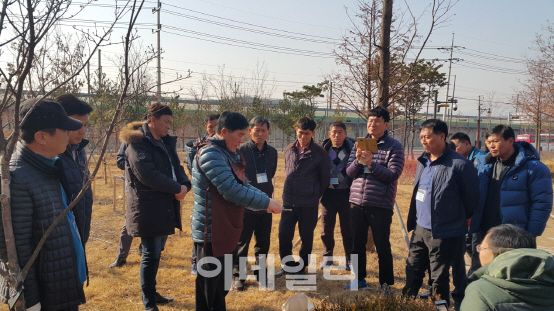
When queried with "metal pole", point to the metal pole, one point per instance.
{"points": [[452, 102], [401, 222], [477, 142], [435, 109], [159, 30], [99, 69], [448, 81]]}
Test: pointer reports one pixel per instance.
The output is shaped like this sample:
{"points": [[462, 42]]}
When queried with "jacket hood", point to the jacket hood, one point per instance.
{"points": [[132, 132], [525, 273]]}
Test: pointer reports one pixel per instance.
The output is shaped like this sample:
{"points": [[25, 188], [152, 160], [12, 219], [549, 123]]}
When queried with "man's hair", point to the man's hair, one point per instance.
{"points": [[507, 237], [211, 117], [232, 121], [74, 106], [259, 120], [379, 112], [437, 127], [503, 130], [305, 124], [158, 110], [452, 145], [338, 124], [461, 137], [28, 136]]}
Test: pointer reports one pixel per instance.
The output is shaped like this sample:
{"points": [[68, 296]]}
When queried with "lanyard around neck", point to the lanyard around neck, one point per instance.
{"points": [[254, 159]]}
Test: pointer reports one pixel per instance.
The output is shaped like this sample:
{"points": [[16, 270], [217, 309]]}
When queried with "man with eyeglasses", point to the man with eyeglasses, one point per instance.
{"points": [[516, 187], [515, 275]]}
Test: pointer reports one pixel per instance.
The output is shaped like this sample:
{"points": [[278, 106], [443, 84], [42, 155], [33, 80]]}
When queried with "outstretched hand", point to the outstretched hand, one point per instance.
{"points": [[274, 207]]}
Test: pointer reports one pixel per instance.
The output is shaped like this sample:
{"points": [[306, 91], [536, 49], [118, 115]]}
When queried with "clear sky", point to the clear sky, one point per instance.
{"points": [[294, 39]]}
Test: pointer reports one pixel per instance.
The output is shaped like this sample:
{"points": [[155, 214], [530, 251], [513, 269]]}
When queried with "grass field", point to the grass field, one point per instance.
{"points": [[119, 288]]}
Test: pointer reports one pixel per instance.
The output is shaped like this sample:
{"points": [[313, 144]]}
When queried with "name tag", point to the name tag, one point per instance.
{"points": [[261, 178], [335, 181], [420, 195], [366, 170]]}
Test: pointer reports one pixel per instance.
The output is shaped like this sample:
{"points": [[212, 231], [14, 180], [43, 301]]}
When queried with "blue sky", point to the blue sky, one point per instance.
{"points": [[496, 36]]}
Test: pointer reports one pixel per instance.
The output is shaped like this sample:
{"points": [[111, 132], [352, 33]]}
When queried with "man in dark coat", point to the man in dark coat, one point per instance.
{"points": [[39, 194], [446, 190], [157, 181], [307, 176], [372, 196], [261, 165], [75, 164], [335, 199]]}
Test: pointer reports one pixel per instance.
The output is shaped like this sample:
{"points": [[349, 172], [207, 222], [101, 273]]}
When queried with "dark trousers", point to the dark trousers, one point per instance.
{"points": [[426, 251], [336, 202], [258, 224], [152, 248], [459, 274], [125, 241], [306, 217], [476, 239], [379, 220], [210, 290]]}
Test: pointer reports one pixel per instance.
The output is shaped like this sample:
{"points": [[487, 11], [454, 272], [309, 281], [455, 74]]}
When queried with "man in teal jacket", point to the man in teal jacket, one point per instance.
{"points": [[221, 193], [514, 276]]}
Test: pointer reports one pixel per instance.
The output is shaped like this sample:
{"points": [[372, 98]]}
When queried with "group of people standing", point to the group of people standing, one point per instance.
{"points": [[460, 198]]}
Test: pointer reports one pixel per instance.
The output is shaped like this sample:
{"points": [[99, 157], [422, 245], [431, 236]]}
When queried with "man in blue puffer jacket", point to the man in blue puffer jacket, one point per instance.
{"points": [[220, 195], [516, 187]]}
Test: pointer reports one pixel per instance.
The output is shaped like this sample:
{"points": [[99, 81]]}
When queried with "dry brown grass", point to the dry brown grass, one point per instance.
{"points": [[119, 288]]}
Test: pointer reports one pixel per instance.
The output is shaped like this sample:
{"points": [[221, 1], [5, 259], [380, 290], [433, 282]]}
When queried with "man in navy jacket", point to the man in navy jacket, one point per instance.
{"points": [[445, 193]]}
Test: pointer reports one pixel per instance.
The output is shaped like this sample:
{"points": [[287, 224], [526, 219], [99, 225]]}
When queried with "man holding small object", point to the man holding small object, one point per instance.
{"points": [[372, 196]]}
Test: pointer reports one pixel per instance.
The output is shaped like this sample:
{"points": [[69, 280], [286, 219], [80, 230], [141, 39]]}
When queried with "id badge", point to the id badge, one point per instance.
{"points": [[335, 181], [420, 195], [261, 178]]}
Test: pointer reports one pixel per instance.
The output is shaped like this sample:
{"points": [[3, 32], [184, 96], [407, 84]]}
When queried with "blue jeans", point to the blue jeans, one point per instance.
{"points": [[152, 248]]}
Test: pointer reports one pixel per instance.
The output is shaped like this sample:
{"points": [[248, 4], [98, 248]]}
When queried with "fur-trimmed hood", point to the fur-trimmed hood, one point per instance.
{"points": [[132, 132]]}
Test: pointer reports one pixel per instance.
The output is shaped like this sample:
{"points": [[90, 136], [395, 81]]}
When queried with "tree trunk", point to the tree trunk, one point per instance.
{"points": [[384, 76]]}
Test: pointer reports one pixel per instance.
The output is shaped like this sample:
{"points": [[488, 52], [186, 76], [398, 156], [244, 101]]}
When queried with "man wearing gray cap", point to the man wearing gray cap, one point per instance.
{"points": [[38, 196]]}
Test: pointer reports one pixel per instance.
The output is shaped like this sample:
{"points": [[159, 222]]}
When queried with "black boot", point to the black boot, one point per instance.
{"points": [[118, 262]]}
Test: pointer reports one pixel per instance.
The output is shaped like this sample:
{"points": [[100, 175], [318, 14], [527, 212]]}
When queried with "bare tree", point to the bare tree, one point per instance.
{"points": [[366, 80], [28, 23]]}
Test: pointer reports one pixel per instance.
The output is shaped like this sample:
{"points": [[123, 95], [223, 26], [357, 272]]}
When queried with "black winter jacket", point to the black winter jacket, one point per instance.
{"points": [[307, 177], [454, 195], [36, 200], [77, 174], [265, 161], [152, 209]]}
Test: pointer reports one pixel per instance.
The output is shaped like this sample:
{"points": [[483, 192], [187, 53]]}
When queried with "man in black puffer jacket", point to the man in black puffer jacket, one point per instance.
{"points": [[75, 165], [157, 181], [38, 197]]}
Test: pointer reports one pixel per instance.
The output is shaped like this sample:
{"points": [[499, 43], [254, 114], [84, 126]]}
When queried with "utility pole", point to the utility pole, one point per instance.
{"points": [[448, 81], [477, 142], [435, 106], [428, 99], [330, 96], [159, 30], [452, 103], [88, 80], [99, 69]]}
